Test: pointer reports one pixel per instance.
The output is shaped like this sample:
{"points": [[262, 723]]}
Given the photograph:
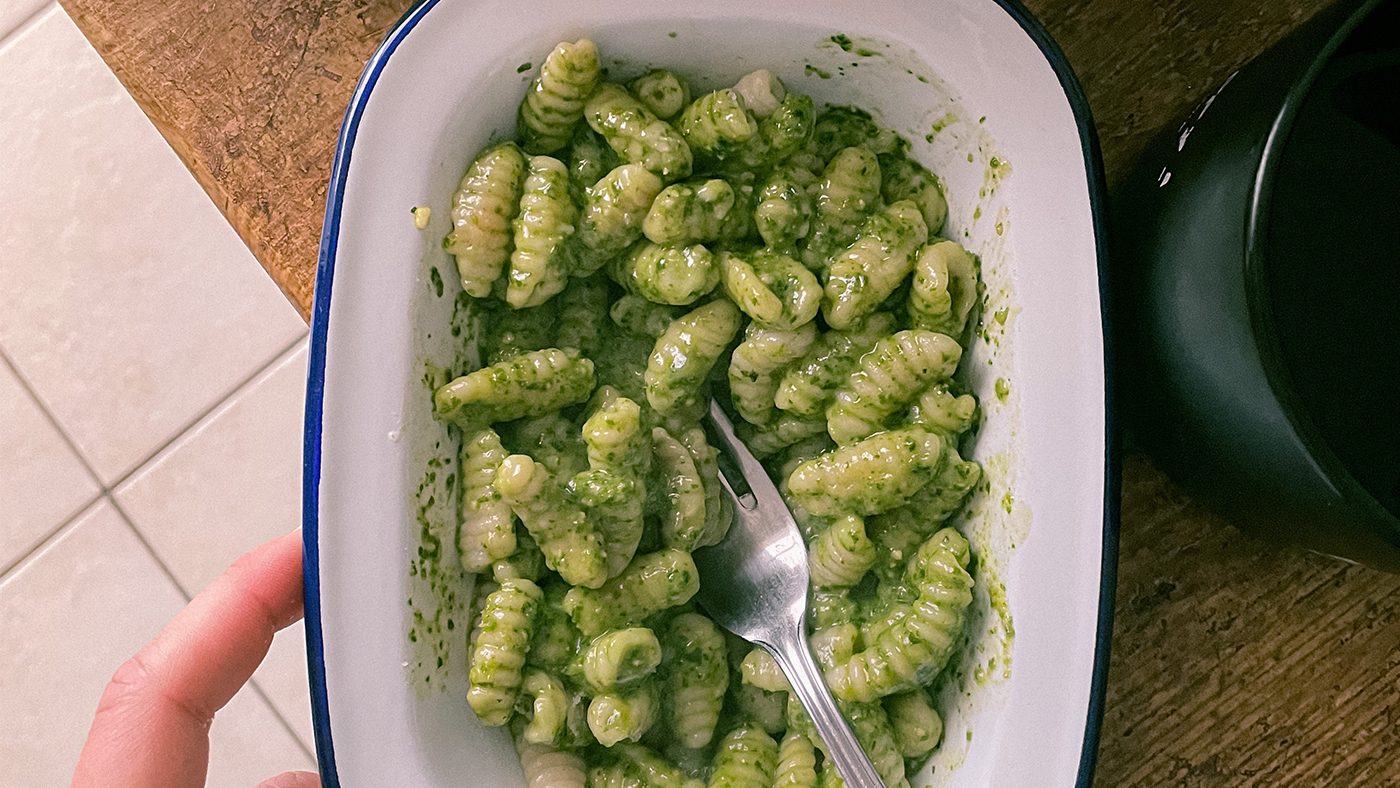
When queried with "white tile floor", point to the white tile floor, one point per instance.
{"points": [[151, 384]]}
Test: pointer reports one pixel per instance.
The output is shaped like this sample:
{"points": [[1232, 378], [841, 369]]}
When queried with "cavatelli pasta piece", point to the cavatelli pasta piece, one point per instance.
{"points": [[642, 316], [662, 91], [546, 766], [527, 561], [701, 210], [651, 769], [487, 528], [848, 191], [806, 389], [717, 125], [944, 288], [887, 378], [829, 607], [613, 433], [482, 210], [544, 705], [718, 512], [834, 644], [757, 364], [482, 590], [539, 266], [872, 728], [916, 647], [778, 434], [917, 726], [614, 486], [515, 332], [906, 179], [501, 646], [675, 275], [865, 274], [684, 523], [620, 659], [797, 762], [554, 101], [775, 290], [590, 159], [570, 543], [747, 758], [698, 677], [842, 554], [758, 708], [955, 479], [638, 136], [615, 717], [786, 130], [761, 670], [531, 384], [867, 476], [583, 308], [783, 215], [613, 211], [650, 584], [844, 127], [944, 413], [686, 352], [793, 456], [556, 640]]}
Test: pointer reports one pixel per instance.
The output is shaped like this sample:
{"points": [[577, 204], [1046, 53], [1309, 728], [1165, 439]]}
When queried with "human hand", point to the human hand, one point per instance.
{"points": [[152, 724]]}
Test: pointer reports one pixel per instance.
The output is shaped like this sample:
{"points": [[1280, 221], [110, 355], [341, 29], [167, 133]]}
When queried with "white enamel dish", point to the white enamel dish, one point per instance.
{"points": [[974, 84]]}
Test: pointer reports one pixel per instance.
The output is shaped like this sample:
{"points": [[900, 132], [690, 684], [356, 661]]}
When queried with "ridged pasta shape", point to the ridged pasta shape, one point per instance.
{"points": [[872, 728], [487, 528], [546, 766], [650, 769], [651, 583], [848, 191], [906, 179], [719, 514], [674, 275], [545, 706], [539, 266], [842, 554], [761, 670], [702, 210], [868, 476], [778, 434], [554, 101], [940, 411], [865, 274], [797, 762], [589, 159], [486, 202], [614, 486], [775, 290], [662, 91], [582, 315], [636, 135], [717, 125], [642, 316], [698, 677], [946, 493], [917, 646], [834, 644], [570, 543], [620, 659], [683, 525], [686, 352], [613, 211], [766, 711], [944, 288], [917, 725], [807, 388], [783, 215], [530, 384], [501, 646], [615, 717], [887, 378], [747, 758], [783, 133], [757, 365], [845, 127]]}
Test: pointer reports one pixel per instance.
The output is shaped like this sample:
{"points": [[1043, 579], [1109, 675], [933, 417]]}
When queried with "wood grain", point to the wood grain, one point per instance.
{"points": [[1235, 663]]}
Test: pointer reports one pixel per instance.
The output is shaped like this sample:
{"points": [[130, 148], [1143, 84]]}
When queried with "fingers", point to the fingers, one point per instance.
{"points": [[152, 724], [292, 780]]}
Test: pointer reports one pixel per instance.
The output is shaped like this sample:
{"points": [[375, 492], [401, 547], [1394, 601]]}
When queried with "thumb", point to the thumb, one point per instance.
{"points": [[292, 780]]}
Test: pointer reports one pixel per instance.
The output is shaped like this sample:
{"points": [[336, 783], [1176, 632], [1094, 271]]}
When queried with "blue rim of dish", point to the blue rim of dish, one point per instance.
{"points": [[316, 369]]}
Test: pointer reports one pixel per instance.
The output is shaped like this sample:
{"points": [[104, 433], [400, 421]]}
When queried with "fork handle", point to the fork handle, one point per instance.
{"points": [[794, 656]]}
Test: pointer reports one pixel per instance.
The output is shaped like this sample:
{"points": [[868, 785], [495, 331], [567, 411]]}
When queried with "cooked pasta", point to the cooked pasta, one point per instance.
{"points": [[553, 103]]}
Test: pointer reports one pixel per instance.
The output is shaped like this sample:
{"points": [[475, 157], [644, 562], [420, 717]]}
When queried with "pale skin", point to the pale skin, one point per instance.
{"points": [[152, 723]]}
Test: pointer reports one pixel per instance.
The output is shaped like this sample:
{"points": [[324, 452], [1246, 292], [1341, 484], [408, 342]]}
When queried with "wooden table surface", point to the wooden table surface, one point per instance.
{"points": [[1235, 662]]}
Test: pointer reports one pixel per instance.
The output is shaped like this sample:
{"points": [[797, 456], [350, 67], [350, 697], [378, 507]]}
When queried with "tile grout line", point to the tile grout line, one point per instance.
{"points": [[50, 536], [26, 22]]}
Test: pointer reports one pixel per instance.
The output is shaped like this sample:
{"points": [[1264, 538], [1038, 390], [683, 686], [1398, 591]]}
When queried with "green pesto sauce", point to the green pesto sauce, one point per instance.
{"points": [[523, 67], [435, 281]]}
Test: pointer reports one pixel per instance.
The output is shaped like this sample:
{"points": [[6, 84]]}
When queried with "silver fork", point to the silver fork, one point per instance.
{"points": [[754, 584]]}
